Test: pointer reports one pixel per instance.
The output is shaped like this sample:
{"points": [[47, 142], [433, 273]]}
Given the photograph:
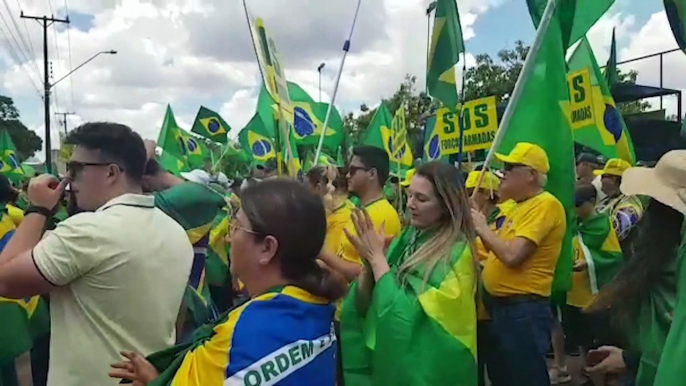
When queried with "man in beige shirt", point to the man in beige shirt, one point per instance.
{"points": [[115, 274]]}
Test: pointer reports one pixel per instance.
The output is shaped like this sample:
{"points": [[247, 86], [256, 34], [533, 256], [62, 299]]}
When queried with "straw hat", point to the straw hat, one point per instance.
{"points": [[666, 182]]}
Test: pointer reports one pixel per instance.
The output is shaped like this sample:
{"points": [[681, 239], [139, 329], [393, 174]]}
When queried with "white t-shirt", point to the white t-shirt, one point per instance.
{"points": [[120, 275]]}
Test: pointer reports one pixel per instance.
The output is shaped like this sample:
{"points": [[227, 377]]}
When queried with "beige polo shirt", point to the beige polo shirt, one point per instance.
{"points": [[120, 274]]}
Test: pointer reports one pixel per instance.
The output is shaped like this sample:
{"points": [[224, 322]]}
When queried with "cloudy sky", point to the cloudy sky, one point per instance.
{"points": [[189, 53]]}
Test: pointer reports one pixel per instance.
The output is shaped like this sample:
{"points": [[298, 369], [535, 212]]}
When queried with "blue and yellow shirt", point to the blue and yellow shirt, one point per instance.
{"points": [[283, 337]]}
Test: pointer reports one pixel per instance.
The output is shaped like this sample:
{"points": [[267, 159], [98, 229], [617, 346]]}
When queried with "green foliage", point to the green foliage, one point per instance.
{"points": [[26, 141], [490, 77]]}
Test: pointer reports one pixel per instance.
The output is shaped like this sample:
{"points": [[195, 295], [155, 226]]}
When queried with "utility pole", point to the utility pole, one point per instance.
{"points": [[46, 22], [64, 120]]}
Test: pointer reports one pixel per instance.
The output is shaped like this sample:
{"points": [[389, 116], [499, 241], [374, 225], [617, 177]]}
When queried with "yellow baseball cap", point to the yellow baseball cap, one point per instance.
{"points": [[527, 154], [613, 167], [408, 178], [490, 181]]}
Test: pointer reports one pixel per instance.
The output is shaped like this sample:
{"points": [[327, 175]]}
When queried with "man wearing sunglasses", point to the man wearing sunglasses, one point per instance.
{"points": [[518, 274], [101, 267]]}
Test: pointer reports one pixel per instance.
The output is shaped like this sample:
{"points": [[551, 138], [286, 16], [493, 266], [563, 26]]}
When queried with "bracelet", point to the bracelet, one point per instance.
{"points": [[45, 212]]}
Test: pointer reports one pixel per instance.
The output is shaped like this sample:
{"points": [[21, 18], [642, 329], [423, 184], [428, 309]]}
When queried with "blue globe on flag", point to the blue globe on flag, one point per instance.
{"points": [[302, 122], [434, 151], [14, 163], [261, 148], [192, 145], [612, 121], [213, 126]]}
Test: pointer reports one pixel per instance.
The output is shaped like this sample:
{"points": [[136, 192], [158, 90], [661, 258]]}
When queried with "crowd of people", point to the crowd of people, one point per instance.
{"points": [[328, 282]]}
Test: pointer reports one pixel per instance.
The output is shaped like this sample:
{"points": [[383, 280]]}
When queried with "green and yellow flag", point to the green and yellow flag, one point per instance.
{"points": [[257, 141], [429, 312], [211, 125], [379, 134], [9, 161], [592, 112], [447, 44], [171, 139]]}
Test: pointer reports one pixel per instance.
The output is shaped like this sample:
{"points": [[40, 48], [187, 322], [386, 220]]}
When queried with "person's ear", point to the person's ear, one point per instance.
{"points": [[269, 248]]}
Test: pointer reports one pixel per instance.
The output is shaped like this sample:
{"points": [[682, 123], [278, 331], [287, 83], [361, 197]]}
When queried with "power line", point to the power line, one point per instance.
{"points": [[28, 35], [20, 35], [20, 63], [23, 58]]}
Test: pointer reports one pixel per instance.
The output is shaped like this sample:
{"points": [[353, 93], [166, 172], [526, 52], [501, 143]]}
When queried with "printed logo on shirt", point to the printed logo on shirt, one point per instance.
{"points": [[278, 365]]}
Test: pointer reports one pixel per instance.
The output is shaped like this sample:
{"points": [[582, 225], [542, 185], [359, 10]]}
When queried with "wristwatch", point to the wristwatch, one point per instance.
{"points": [[47, 213]]}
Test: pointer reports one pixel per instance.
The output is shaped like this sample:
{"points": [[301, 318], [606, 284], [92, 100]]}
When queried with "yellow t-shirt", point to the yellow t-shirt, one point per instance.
{"points": [[380, 212], [335, 223], [540, 219], [580, 295]]}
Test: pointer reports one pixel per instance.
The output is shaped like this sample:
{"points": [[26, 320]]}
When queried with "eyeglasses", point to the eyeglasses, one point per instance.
{"points": [[354, 169], [234, 226], [510, 167], [74, 168]]}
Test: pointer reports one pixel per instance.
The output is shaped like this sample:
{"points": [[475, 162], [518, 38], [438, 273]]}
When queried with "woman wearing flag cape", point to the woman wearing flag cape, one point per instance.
{"points": [[410, 319], [283, 335]]}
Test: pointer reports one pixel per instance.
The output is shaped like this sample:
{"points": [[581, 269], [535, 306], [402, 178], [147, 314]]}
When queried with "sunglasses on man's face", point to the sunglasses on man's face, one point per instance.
{"points": [[74, 168], [354, 169]]}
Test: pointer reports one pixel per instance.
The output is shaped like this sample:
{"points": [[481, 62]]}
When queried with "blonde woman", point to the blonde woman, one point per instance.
{"points": [[410, 319]]}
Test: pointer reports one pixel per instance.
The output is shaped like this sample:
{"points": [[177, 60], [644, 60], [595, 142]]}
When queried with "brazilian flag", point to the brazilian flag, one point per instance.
{"points": [[211, 125], [194, 207], [9, 162]]}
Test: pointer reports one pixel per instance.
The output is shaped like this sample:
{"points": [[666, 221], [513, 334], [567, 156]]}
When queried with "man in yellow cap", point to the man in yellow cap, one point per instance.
{"points": [[518, 274], [625, 211]]}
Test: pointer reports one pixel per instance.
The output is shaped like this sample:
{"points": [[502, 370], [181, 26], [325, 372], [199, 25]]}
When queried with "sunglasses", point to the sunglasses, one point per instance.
{"points": [[354, 169], [74, 168]]}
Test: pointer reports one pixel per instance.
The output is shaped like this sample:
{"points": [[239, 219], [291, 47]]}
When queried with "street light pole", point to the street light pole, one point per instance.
{"points": [[110, 52], [319, 69]]}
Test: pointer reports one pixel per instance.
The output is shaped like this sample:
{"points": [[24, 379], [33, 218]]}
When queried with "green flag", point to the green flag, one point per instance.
{"points": [[269, 111], [593, 114], [598, 238], [432, 142], [539, 118], [576, 17], [9, 162], [431, 313], [15, 333], [174, 154], [611, 76], [211, 125], [379, 134], [676, 14], [446, 46], [257, 141], [308, 120]]}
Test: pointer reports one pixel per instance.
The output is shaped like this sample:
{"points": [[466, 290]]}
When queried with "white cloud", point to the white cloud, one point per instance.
{"points": [[192, 52]]}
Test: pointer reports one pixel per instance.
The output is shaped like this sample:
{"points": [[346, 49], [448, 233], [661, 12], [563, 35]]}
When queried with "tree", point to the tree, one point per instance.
{"points": [[25, 140], [489, 77], [417, 105], [632, 107]]}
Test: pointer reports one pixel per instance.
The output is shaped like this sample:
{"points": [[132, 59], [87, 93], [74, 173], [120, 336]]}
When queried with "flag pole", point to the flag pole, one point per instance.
{"points": [[527, 69], [346, 48]]}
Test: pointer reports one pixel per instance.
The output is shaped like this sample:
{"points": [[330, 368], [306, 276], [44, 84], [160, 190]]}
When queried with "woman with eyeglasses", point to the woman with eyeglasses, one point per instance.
{"points": [[410, 318], [283, 334]]}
